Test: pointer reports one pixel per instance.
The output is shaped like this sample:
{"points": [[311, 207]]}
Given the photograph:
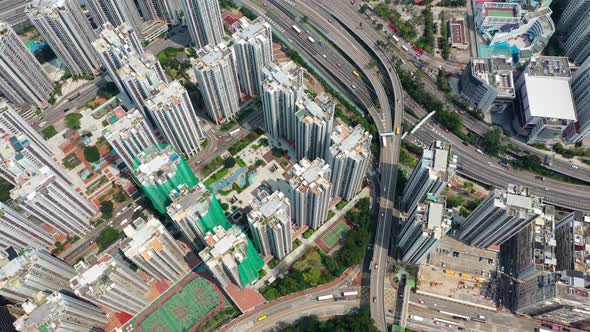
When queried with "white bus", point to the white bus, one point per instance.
{"points": [[395, 38], [416, 318], [383, 138], [311, 39], [296, 29], [233, 132], [325, 297], [405, 48], [351, 293]]}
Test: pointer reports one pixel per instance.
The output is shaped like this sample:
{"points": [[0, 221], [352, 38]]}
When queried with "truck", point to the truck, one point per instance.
{"points": [[447, 271], [325, 297], [398, 130], [395, 38], [416, 318], [465, 275], [311, 40], [350, 293], [392, 26], [296, 29], [405, 48], [233, 132], [356, 73], [418, 50]]}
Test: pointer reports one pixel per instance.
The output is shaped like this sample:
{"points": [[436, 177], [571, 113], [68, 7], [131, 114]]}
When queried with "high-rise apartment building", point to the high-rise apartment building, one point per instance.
{"points": [[252, 42], [13, 124], [31, 272], [195, 211], [60, 312], [203, 18], [176, 118], [574, 28], [129, 136], [500, 216], [580, 85], [310, 192], [423, 229], [218, 81], [116, 12], [544, 104], [430, 176], [141, 77], [313, 126], [281, 88], [114, 46], [19, 232], [22, 79], [270, 224], [154, 250], [349, 157], [50, 199], [159, 10], [231, 257], [111, 283], [67, 31], [488, 81], [572, 234]]}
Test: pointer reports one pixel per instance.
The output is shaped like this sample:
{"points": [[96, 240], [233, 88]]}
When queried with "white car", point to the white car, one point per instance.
{"points": [[118, 213]]}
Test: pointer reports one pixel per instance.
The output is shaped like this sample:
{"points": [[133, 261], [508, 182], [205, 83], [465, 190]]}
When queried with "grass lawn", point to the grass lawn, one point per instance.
{"points": [[107, 237], [71, 161], [49, 132], [308, 233], [341, 204], [216, 177], [331, 214], [212, 166], [240, 162], [73, 120], [239, 146]]}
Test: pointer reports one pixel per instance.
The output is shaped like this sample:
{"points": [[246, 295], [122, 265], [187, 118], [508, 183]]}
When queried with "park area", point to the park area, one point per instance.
{"points": [[333, 235], [192, 304]]}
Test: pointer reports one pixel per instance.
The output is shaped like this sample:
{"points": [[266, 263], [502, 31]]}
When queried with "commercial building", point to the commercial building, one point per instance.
{"points": [[129, 136], [176, 118], [22, 79], [430, 176], [48, 198], [572, 234], [500, 216], [270, 224], [116, 12], [33, 271], [488, 81], [349, 157], [580, 85], [114, 46], [141, 78], [544, 99], [19, 232], [60, 312], [231, 257], [218, 81], [423, 229], [310, 192], [281, 88], [252, 42], [195, 211], [67, 31], [159, 170], [203, 18], [458, 37], [154, 250], [111, 283], [313, 126], [574, 29]]}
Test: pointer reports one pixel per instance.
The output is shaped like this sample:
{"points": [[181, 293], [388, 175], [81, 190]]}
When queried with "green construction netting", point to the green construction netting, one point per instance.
{"points": [[248, 269], [214, 217], [158, 194]]}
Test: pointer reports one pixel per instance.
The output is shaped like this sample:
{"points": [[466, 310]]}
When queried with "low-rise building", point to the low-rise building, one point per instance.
{"points": [[458, 33]]}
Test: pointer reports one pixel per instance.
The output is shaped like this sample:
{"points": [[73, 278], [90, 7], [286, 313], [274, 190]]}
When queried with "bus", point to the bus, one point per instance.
{"points": [[355, 73], [393, 27], [395, 38], [261, 318], [416, 318], [405, 48], [296, 29], [444, 321], [233, 132], [325, 297], [383, 138], [418, 49], [351, 293], [398, 130], [76, 95], [311, 40]]}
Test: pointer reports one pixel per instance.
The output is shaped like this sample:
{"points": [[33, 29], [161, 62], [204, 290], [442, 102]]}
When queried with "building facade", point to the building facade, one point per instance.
{"points": [[116, 12], [310, 192], [574, 28], [580, 85], [270, 224], [19, 232], [487, 81], [572, 235], [314, 120], [141, 78], [203, 18]]}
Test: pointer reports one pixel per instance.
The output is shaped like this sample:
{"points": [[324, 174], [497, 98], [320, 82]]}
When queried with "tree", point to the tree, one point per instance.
{"points": [[106, 208], [49, 132], [491, 142], [73, 120], [229, 162], [5, 188], [312, 277], [379, 26], [91, 154], [455, 201]]}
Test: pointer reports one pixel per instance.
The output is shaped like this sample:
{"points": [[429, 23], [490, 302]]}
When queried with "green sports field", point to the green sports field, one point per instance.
{"points": [[183, 308], [334, 234]]}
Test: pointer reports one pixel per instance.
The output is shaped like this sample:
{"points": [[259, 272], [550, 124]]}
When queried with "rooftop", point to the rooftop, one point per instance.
{"points": [[549, 66], [246, 29], [271, 208], [168, 93], [549, 98], [352, 142], [155, 165], [286, 75], [434, 216], [321, 109], [517, 200], [211, 55], [313, 175], [496, 72], [144, 236], [124, 127]]}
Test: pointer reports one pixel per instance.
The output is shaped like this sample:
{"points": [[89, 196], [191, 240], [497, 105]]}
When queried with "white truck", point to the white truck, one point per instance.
{"points": [[325, 297], [416, 318]]}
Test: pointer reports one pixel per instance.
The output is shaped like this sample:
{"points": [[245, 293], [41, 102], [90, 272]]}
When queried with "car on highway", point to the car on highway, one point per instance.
{"points": [[376, 264], [374, 299], [261, 318], [574, 166]]}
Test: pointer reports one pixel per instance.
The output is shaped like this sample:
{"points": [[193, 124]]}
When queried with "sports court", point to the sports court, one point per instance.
{"points": [[333, 235], [185, 307]]}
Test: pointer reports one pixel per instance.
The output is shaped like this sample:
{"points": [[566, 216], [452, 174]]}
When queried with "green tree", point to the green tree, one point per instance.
{"points": [[312, 277], [73, 120], [91, 154], [5, 188], [106, 208], [491, 142], [229, 162], [455, 201], [49, 132]]}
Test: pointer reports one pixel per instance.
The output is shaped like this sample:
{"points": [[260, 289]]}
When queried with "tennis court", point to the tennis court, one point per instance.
{"points": [[334, 234], [184, 308]]}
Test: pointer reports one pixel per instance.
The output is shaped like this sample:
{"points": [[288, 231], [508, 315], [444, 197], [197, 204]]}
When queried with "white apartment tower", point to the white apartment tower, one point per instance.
{"points": [[141, 77], [61, 312], [18, 232], [22, 79], [176, 118], [430, 176], [67, 31], [310, 192], [13, 124], [500, 216], [110, 283], [580, 85], [31, 272], [574, 28], [225, 251], [252, 42], [218, 81], [270, 224], [129, 136], [313, 126], [48, 198], [114, 46], [203, 18], [281, 88], [116, 12], [159, 9], [154, 250], [349, 157]]}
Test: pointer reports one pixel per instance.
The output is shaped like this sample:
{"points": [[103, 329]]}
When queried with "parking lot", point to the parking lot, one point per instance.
{"points": [[454, 255]]}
